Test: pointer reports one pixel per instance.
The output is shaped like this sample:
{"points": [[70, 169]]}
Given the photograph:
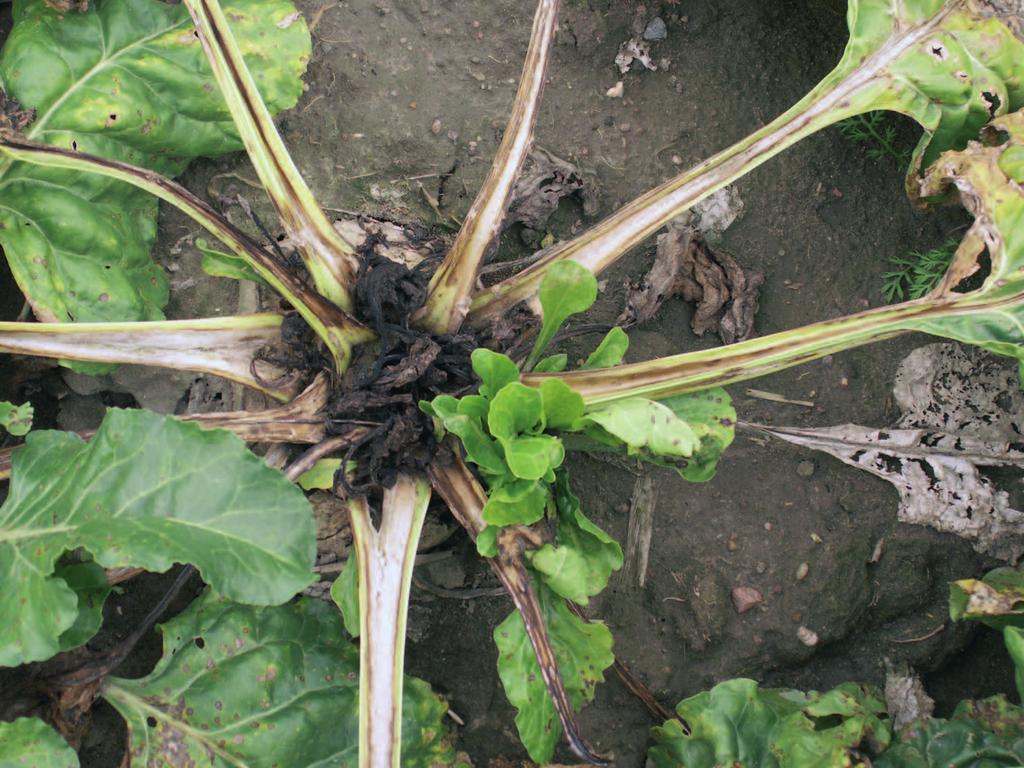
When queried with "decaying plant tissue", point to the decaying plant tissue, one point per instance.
{"points": [[963, 410], [715, 214], [726, 295], [906, 699], [634, 50], [545, 180]]}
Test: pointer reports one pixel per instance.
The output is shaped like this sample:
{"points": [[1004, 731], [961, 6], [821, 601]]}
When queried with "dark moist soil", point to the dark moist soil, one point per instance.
{"points": [[404, 109]]}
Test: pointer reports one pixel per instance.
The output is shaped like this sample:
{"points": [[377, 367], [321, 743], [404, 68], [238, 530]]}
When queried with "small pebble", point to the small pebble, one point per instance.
{"points": [[807, 636], [761, 567], [656, 29], [816, 538], [615, 92], [677, 160], [802, 570], [805, 469], [745, 598], [767, 526], [625, 127], [732, 546], [435, 127]]}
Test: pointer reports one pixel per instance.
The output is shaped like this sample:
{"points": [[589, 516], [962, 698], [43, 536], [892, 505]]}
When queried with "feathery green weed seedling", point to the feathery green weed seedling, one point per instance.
{"points": [[877, 134], [915, 274], [400, 382]]}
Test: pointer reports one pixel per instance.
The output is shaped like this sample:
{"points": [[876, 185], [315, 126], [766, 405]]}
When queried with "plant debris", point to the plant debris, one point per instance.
{"points": [[408, 244], [936, 474], [545, 180], [715, 214], [409, 366], [905, 699], [633, 50], [725, 294], [963, 409]]}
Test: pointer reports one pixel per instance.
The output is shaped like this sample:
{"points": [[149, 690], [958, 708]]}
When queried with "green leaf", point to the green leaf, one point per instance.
{"points": [[1011, 162], [531, 458], [645, 426], [220, 264], [480, 448], [16, 419], [90, 585], [243, 687], [476, 406], [951, 66], [995, 714], [345, 593], [147, 491], [578, 564], [28, 742], [487, 541], [463, 420], [320, 476], [515, 502], [562, 405], [1014, 639], [737, 723], [996, 600], [567, 289], [552, 364], [712, 418], [517, 408], [944, 743], [991, 316], [127, 81], [813, 737], [583, 651], [610, 351], [494, 369], [731, 724]]}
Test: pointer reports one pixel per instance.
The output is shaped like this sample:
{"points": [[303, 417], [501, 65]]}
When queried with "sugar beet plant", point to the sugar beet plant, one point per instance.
{"points": [[395, 377]]}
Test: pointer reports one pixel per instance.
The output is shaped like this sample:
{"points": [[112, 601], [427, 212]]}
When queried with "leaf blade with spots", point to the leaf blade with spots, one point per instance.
{"points": [[583, 650], [146, 491], [578, 563], [739, 723], [242, 686], [126, 81], [28, 742]]}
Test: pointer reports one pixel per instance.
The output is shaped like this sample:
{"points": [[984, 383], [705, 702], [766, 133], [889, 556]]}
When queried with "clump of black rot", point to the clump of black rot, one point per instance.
{"points": [[381, 398]]}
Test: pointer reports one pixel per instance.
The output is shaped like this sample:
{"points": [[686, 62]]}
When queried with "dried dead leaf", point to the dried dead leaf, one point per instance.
{"points": [[962, 409], [906, 699], [936, 475], [545, 180], [634, 50], [408, 245], [726, 295]]}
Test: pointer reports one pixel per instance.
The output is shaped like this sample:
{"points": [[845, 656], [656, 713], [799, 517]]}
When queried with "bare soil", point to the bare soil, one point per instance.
{"points": [[405, 106]]}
